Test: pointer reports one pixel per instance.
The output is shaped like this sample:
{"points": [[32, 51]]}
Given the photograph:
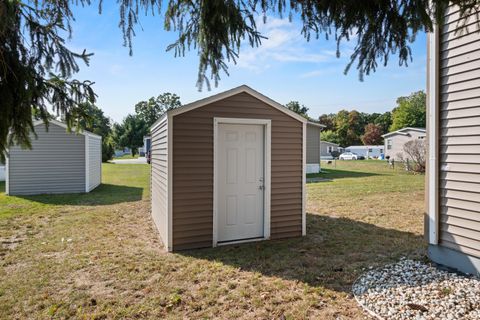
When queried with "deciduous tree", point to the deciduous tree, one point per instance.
{"points": [[296, 107], [130, 133], [410, 111], [373, 135], [152, 109]]}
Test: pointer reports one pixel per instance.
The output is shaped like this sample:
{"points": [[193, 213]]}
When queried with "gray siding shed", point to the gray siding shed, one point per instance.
{"points": [[59, 162]]}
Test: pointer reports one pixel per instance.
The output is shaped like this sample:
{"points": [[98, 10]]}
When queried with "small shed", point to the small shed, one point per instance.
{"points": [[227, 169], [313, 146], [59, 162]]}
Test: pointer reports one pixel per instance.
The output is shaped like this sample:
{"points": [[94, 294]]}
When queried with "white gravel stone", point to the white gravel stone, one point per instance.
{"points": [[414, 290]]}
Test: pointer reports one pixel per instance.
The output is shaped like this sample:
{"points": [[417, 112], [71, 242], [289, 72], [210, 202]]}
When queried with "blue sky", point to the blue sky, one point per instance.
{"points": [[286, 67]]}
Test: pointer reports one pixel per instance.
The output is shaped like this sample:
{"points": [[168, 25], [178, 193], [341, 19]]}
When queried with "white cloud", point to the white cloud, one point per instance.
{"points": [[284, 44]]}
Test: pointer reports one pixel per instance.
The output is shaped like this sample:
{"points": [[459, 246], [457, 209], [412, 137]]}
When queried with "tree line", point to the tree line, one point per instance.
{"points": [[344, 127], [130, 132], [348, 128]]}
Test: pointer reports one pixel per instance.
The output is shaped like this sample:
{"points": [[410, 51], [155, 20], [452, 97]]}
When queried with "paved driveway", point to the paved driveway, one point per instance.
{"points": [[140, 160]]}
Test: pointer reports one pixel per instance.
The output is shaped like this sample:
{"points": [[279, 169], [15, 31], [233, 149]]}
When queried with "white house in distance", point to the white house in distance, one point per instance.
{"points": [[326, 149], [394, 141], [366, 151]]}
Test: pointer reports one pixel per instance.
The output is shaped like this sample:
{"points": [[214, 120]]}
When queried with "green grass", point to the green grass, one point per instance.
{"points": [[98, 255], [126, 156]]}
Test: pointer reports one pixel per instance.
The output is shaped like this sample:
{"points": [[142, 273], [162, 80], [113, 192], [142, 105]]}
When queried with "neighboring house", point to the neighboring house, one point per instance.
{"points": [[313, 147], [368, 152], [394, 141], [122, 152], [147, 142], [2, 173], [453, 132], [59, 162], [326, 149], [226, 169]]}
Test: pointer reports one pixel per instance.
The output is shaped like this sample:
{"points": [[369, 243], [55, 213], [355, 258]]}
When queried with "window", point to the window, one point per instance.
{"points": [[370, 150], [389, 144], [330, 149], [381, 150]]}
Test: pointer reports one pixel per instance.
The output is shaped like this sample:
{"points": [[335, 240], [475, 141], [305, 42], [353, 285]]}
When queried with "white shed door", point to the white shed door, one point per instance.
{"points": [[240, 182]]}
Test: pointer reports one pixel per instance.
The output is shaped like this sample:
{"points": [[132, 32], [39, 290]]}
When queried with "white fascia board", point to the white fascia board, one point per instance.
{"points": [[232, 92]]}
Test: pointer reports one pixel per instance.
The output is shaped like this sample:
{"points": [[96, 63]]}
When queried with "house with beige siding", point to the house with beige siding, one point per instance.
{"points": [[453, 132], [395, 140], [326, 149], [313, 146], [226, 169], [58, 162]]}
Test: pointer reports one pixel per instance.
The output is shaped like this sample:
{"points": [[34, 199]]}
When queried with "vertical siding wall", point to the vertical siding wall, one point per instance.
{"points": [[95, 162], [56, 163], [193, 170], [460, 136], [159, 178], [313, 144]]}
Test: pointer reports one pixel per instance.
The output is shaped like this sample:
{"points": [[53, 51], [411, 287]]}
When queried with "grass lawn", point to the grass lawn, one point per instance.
{"points": [[98, 256], [126, 156]]}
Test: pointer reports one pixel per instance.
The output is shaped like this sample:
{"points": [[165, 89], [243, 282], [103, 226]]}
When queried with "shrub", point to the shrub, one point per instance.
{"points": [[416, 151]]}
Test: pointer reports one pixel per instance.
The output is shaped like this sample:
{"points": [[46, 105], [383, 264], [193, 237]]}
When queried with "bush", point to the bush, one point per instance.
{"points": [[416, 151], [108, 149], [335, 154]]}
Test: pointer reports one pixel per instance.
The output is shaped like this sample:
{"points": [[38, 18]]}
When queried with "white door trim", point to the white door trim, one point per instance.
{"points": [[267, 123]]}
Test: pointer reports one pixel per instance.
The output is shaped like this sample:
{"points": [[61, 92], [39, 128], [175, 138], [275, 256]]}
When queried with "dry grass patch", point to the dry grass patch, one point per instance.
{"points": [[110, 264]]}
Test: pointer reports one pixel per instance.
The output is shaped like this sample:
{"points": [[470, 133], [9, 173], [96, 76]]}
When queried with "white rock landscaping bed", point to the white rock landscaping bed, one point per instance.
{"points": [[414, 290]]}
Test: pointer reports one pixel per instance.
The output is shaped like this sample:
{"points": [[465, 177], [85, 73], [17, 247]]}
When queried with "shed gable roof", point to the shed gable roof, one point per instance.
{"points": [[63, 125], [226, 94], [403, 131]]}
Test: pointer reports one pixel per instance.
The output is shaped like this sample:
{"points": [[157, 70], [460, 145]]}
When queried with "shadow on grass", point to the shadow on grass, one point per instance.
{"points": [[332, 255], [105, 194], [338, 174]]}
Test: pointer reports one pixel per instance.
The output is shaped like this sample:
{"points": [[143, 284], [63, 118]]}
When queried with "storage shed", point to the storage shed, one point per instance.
{"points": [[59, 162], [226, 169], [453, 133], [313, 146]]}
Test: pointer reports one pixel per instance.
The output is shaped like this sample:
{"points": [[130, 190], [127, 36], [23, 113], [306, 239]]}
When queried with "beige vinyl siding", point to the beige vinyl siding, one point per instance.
{"points": [[55, 164], [313, 144], [95, 162], [398, 141], [459, 179], [159, 178], [193, 170]]}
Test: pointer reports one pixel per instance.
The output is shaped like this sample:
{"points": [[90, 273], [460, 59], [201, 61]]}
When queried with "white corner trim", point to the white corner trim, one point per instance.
{"points": [[215, 187], [169, 235], [304, 179], [87, 164], [267, 123], [7, 171], [432, 137]]}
